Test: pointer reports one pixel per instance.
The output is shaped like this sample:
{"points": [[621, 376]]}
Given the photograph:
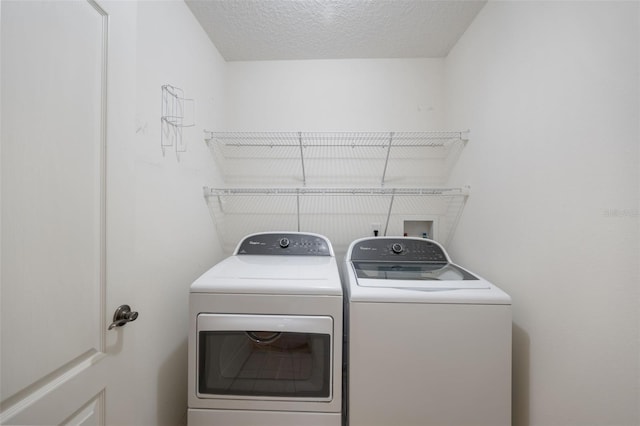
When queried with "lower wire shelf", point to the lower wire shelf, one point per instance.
{"points": [[340, 214]]}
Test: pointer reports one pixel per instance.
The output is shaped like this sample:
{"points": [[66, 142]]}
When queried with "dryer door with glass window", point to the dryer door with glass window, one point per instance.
{"points": [[264, 357]]}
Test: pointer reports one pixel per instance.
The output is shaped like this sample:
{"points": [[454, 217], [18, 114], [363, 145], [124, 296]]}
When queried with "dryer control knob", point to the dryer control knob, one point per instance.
{"points": [[284, 242], [397, 248]]}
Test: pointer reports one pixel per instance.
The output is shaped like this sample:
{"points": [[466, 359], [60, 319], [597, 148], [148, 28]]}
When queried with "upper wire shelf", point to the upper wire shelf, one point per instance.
{"points": [[336, 158]]}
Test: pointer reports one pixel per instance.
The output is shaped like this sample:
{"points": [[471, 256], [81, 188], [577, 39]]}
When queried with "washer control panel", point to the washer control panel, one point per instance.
{"points": [[285, 244], [404, 249]]}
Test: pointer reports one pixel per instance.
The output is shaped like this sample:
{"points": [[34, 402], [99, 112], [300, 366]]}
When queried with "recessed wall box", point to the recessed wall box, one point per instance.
{"points": [[419, 228]]}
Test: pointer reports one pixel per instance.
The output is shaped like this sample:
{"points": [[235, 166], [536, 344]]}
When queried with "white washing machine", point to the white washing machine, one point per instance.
{"points": [[265, 335], [429, 343]]}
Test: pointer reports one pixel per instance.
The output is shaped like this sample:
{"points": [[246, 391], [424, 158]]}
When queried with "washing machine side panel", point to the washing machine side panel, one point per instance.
{"points": [[441, 364]]}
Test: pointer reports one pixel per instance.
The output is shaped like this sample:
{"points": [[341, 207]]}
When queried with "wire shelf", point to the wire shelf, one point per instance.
{"points": [[341, 214], [336, 158]]}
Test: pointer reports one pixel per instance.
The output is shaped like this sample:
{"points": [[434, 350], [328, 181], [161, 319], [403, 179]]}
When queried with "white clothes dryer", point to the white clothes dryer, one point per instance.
{"points": [[429, 343], [265, 335]]}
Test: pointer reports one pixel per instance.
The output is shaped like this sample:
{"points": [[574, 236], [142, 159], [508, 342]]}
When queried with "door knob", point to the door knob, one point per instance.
{"points": [[123, 315]]}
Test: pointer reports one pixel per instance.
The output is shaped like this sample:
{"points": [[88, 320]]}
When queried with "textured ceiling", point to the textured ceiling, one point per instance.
{"points": [[250, 30]]}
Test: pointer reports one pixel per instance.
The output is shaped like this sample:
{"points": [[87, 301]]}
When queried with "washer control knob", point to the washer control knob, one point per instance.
{"points": [[284, 242], [397, 248]]}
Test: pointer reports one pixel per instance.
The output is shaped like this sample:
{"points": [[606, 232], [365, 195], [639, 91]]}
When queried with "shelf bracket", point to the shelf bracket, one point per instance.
{"points": [[464, 191], [386, 161], [209, 193]]}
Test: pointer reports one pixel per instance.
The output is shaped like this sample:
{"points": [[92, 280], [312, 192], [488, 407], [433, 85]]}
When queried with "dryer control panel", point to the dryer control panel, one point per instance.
{"points": [[285, 244], [398, 249]]}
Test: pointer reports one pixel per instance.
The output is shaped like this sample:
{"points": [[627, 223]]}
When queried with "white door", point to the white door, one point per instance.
{"points": [[65, 74]]}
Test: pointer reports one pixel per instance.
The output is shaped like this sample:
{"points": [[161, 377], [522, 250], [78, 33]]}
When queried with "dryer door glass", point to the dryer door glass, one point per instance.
{"points": [[264, 356], [264, 363]]}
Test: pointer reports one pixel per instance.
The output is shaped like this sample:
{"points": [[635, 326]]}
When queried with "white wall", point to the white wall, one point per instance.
{"points": [[550, 91], [175, 239], [335, 95]]}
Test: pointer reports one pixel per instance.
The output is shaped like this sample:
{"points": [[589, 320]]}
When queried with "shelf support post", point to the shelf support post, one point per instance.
{"points": [[386, 161], [304, 174], [298, 208]]}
